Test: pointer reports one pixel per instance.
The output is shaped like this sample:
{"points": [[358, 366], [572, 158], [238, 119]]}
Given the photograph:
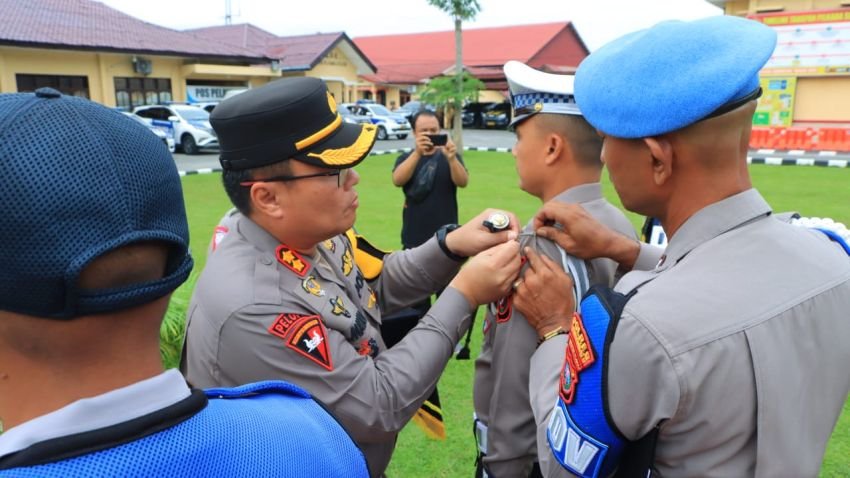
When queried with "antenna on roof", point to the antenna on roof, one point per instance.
{"points": [[228, 14]]}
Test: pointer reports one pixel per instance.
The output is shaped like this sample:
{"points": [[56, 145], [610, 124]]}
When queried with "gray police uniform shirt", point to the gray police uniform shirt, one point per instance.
{"points": [[737, 348], [260, 312], [500, 392]]}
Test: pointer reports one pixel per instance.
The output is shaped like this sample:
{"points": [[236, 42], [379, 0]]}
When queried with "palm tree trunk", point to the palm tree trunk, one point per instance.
{"points": [[457, 131]]}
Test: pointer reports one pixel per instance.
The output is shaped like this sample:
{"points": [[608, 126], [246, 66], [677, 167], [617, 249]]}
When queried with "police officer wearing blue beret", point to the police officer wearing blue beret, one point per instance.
{"points": [[95, 240], [284, 295], [729, 356]]}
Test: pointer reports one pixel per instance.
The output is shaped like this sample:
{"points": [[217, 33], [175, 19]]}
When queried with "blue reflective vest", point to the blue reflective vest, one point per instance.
{"points": [[264, 429]]}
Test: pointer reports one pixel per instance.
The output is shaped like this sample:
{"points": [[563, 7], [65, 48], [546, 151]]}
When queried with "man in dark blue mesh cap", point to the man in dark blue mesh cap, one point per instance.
{"points": [[95, 240]]}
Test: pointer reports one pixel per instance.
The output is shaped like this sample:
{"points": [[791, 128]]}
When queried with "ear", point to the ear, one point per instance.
{"points": [[661, 150], [266, 200], [555, 147]]}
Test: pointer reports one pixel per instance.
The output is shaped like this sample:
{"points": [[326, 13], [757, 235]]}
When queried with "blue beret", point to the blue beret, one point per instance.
{"points": [[672, 75]]}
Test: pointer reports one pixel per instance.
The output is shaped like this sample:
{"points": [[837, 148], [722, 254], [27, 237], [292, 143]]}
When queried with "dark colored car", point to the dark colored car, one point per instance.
{"points": [[497, 115], [473, 114], [412, 107]]}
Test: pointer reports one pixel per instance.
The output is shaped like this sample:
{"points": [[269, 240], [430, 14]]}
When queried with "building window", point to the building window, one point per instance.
{"points": [[67, 85], [132, 92]]}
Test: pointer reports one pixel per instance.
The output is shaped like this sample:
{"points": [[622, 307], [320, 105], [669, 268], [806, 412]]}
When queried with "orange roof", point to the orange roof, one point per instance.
{"points": [[414, 57]]}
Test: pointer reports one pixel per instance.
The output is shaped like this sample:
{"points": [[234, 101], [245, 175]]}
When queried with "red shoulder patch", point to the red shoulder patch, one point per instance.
{"points": [[579, 356], [579, 344], [218, 234], [292, 260], [306, 335]]}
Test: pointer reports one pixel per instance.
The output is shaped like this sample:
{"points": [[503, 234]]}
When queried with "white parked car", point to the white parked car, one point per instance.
{"points": [[166, 138], [389, 123], [188, 125]]}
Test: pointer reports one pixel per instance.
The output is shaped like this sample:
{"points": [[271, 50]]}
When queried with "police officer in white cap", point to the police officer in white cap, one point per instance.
{"points": [[729, 357], [557, 159]]}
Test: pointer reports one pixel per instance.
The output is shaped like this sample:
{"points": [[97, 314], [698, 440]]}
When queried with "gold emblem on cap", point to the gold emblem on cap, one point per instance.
{"points": [[331, 102], [348, 154], [538, 106]]}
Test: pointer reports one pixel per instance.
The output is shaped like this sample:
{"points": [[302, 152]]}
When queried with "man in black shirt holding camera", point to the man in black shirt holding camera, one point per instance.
{"points": [[429, 176]]}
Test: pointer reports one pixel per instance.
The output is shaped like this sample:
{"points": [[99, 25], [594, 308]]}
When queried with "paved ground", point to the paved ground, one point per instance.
{"points": [[477, 138], [472, 138]]}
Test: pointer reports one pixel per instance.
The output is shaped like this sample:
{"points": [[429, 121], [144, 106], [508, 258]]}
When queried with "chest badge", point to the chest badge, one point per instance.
{"points": [[339, 307], [312, 286], [347, 262], [292, 260]]}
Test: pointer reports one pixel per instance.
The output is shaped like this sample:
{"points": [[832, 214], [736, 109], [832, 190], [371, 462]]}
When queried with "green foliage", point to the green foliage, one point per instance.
{"points": [[494, 183], [458, 9], [441, 90]]}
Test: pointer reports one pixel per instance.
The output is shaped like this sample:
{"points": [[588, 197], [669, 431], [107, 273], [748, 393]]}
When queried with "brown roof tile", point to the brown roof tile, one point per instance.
{"points": [[89, 25]]}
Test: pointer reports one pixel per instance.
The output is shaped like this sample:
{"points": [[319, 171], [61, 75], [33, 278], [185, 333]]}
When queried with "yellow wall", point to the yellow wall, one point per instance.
{"points": [[102, 68], [490, 95], [822, 99], [339, 73], [745, 7]]}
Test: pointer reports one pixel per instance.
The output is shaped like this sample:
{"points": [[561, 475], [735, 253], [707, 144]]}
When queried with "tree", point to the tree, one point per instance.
{"points": [[459, 10], [442, 92]]}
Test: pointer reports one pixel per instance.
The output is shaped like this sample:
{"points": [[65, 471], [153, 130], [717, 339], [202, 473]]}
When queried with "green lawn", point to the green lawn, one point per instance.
{"points": [[813, 191]]}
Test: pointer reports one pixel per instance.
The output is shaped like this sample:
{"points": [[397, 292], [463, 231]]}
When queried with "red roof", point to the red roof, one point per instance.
{"points": [[301, 52], [90, 25], [415, 57]]}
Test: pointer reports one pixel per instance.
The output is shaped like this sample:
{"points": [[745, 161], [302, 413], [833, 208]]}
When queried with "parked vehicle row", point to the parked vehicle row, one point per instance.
{"points": [[389, 123], [189, 125]]}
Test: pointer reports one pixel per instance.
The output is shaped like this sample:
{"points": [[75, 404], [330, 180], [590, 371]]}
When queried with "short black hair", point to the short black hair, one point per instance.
{"points": [[419, 114], [581, 137], [240, 195]]}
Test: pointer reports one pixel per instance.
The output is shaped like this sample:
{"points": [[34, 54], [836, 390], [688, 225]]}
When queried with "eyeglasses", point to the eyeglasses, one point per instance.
{"points": [[341, 177]]}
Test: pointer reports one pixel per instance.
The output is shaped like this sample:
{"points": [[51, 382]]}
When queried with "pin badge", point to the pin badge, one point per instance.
{"points": [[498, 221]]}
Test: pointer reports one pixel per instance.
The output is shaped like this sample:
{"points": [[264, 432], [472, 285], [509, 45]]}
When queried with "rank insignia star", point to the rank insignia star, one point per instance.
{"points": [[292, 260]]}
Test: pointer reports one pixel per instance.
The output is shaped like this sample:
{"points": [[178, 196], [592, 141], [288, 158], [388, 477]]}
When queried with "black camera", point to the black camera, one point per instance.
{"points": [[438, 139]]}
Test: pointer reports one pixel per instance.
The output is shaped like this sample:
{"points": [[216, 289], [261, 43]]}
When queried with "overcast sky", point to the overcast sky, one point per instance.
{"points": [[597, 21]]}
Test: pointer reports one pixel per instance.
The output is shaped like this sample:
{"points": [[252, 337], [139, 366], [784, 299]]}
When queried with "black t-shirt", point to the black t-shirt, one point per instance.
{"points": [[420, 220]]}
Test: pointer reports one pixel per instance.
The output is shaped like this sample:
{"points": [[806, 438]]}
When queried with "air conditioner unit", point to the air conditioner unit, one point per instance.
{"points": [[142, 66]]}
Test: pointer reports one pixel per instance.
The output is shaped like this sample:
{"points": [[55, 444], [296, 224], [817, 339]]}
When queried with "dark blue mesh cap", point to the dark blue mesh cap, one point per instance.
{"points": [[79, 180]]}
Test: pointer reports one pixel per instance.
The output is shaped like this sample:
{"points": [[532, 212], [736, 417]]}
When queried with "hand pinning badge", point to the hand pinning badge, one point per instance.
{"points": [[497, 222]]}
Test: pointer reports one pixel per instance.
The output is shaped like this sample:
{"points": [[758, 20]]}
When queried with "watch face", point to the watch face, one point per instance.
{"points": [[498, 221]]}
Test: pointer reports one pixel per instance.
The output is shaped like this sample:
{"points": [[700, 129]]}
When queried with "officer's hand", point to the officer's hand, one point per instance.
{"points": [[578, 233], [424, 146], [489, 275], [473, 237], [544, 295]]}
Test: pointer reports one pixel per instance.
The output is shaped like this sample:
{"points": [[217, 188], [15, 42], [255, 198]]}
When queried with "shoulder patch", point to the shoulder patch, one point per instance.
{"points": [[218, 234], [292, 260], [306, 335], [580, 436]]}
